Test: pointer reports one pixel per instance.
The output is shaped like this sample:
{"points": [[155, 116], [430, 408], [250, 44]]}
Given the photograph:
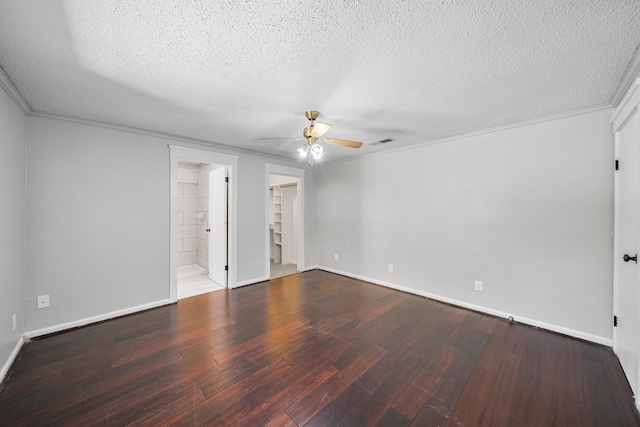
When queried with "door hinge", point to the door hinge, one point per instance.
{"points": [[617, 165], [226, 178], [226, 268], [615, 320]]}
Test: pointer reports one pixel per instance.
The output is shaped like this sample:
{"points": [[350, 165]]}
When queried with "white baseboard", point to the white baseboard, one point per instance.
{"points": [[12, 357], [82, 322], [251, 282], [267, 278], [532, 322]]}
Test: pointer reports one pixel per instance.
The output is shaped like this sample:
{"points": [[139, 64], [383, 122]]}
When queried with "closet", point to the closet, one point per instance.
{"points": [[283, 220]]}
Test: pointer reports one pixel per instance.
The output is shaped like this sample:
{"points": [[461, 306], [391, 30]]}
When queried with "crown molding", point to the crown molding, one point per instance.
{"points": [[156, 134], [630, 75], [600, 107], [627, 105], [13, 93]]}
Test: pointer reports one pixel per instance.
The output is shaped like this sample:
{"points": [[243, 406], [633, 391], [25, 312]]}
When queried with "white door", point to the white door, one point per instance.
{"points": [[627, 303], [218, 226]]}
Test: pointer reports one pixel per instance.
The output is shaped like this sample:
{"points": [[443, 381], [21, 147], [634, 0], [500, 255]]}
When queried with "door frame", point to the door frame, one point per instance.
{"points": [[272, 169], [176, 154], [625, 111]]}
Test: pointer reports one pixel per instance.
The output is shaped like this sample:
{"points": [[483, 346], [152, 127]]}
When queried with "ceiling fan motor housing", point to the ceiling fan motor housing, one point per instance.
{"points": [[311, 115]]}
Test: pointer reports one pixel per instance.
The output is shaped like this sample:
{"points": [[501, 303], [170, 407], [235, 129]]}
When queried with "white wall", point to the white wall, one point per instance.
{"points": [[12, 225], [98, 220], [527, 210]]}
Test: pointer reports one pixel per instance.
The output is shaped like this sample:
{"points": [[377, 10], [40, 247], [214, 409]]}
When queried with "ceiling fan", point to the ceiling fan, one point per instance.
{"points": [[312, 148]]}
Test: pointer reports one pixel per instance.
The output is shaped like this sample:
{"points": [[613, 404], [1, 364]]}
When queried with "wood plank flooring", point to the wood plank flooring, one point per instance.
{"points": [[314, 349]]}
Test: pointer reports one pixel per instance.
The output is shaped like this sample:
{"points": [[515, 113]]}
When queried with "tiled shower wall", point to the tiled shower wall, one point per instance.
{"points": [[187, 203], [193, 214]]}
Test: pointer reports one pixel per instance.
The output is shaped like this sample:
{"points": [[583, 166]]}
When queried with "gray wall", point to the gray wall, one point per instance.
{"points": [[252, 212], [98, 221], [12, 224], [527, 210], [98, 215]]}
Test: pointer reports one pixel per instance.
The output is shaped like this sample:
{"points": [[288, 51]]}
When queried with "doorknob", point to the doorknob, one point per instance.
{"points": [[628, 258], [208, 230]]}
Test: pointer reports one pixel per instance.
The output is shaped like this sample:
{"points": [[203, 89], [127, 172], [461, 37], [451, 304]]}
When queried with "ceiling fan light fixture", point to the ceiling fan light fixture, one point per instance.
{"points": [[303, 151], [311, 151], [316, 151]]}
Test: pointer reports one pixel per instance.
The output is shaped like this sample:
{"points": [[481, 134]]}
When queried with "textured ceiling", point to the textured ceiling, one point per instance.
{"points": [[230, 72]]}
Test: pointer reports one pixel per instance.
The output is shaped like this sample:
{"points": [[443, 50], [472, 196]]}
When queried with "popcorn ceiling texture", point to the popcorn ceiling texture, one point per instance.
{"points": [[230, 72]]}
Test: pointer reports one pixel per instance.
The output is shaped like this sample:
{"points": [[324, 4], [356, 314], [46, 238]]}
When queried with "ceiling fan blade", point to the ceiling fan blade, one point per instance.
{"points": [[318, 129], [280, 139], [343, 142]]}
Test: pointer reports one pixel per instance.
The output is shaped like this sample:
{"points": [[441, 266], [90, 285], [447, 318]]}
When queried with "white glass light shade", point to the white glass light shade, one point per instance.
{"points": [[316, 151], [303, 151], [313, 150]]}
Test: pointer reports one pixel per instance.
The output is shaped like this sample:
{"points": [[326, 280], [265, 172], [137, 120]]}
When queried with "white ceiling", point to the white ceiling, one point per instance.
{"points": [[230, 72]]}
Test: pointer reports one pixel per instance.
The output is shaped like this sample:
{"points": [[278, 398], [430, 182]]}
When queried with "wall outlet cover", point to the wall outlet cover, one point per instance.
{"points": [[43, 301], [478, 286]]}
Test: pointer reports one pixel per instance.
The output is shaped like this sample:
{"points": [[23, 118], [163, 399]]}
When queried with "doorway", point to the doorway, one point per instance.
{"points": [[285, 221], [202, 228], [203, 222], [626, 331]]}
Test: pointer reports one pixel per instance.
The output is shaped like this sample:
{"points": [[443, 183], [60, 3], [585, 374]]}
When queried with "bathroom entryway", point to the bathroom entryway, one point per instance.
{"points": [[201, 222], [193, 279], [203, 239]]}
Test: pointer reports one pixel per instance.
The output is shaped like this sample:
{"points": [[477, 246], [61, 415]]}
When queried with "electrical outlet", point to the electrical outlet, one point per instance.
{"points": [[390, 268], [335, 257], [14, 322], [43, 301], [478, 286]]}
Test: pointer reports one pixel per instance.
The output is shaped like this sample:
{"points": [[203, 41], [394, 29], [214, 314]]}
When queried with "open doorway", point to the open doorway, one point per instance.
{"points": [[284, 225], [285, 221], [203, 222]]}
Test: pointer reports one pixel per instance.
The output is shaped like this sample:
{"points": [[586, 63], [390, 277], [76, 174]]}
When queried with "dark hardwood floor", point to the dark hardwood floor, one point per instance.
{"points": [[314, 349]]}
